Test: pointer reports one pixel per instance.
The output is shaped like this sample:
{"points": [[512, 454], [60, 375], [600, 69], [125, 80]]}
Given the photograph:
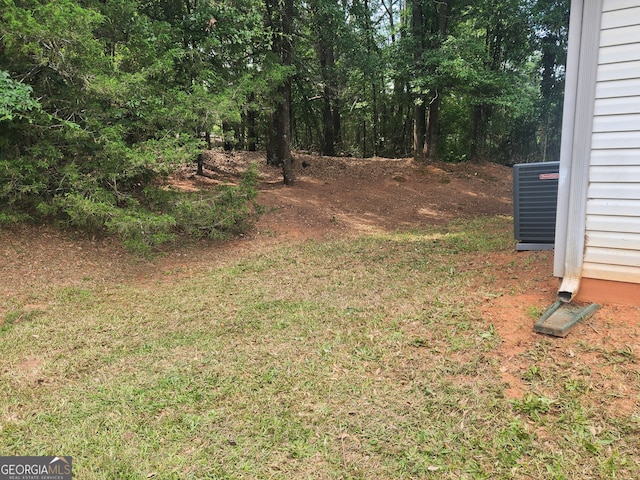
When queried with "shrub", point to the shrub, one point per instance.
{"points": [[161, 213]]}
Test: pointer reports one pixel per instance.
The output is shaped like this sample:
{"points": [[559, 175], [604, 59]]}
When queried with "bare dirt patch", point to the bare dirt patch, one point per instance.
{"points": [[351, 195], [337, 197]]}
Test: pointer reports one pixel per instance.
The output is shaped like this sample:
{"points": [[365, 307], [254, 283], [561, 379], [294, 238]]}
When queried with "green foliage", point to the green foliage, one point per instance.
{"points": [[112, 98], [100, 100], [15, 99], [159, 215], [216, 215]]}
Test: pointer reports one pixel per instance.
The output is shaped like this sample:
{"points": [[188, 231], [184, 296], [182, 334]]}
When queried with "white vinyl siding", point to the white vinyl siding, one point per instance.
{"points": [[612, 6], [614, 174], [615, 106], [615, 273], [612, 243]]}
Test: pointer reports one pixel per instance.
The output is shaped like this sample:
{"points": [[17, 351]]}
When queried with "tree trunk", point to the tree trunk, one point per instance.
{"points": [[374, 114], [434, 106], [328, 140], [287, 61], [251, 125], [200, 160], [337, 122], [432, 129], [278, 144], [227, 133], [419, 132], [364, 138], [419, 109], [478, 133], [326, 68]]}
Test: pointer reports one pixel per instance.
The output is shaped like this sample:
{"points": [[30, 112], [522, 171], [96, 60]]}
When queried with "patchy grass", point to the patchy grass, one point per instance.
{"points": [[363, 358]]}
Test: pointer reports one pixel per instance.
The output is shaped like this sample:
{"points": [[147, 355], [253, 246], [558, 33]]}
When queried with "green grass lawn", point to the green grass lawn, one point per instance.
{"points": [[363, 358]]}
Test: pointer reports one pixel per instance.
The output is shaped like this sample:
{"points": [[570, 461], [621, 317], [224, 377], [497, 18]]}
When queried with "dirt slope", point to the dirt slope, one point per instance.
{"points": [[350, 195], [332, 197]]}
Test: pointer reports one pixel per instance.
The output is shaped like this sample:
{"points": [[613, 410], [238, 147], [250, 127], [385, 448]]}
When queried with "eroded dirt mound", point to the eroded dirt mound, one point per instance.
{"points": [[351, 195]]}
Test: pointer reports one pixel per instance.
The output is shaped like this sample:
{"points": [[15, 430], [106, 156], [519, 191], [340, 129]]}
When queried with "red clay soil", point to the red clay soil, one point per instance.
{"points": [[335, 197]]}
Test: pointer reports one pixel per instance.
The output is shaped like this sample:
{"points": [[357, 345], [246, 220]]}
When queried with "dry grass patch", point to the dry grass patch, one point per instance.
{"points": [[344, 359]]}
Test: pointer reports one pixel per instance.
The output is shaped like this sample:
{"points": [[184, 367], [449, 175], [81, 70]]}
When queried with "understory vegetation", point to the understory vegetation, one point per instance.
{"points": [[100, 100], [355, 358]]}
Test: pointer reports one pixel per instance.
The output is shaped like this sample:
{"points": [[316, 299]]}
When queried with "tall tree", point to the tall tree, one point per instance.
{"points": [[442, 20], [280, 23], [419, 15], [327, 26], [430, 22], [506, 26], [399, 58], [551, 20]]}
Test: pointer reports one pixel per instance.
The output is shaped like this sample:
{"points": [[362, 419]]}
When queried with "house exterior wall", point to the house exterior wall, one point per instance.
{"points": [[612, 230]]}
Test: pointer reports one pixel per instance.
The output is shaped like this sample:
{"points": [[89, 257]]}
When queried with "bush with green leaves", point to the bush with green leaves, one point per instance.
{"points": [[100, 101], [159, 214]]}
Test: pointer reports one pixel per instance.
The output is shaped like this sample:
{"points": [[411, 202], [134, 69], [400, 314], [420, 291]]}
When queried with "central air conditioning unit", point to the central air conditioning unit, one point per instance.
{"points": [[535, 198]]}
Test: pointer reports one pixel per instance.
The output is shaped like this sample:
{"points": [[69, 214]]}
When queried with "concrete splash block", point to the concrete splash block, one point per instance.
{"points": [[561, 317]]}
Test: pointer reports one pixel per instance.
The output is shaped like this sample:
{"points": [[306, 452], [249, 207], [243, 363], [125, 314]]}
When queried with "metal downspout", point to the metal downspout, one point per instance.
{"points": [[568, 131], [590, 15]]}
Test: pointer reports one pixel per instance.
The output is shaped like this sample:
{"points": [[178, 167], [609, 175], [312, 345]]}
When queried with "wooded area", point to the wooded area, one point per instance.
{"points": [[99, 97]]}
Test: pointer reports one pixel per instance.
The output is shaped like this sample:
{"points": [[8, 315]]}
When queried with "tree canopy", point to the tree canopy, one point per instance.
{"points": [[101, 98]]}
